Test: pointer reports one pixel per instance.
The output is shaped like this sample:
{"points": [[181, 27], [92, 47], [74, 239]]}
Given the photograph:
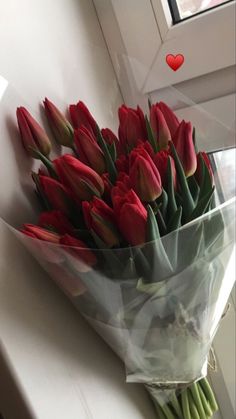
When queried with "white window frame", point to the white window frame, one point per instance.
{"points": [[140, 33]]}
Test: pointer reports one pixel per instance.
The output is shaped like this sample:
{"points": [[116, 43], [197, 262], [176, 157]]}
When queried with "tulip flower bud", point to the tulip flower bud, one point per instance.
{"points": [[84, 257], [80, 115], [100, 218], [131, 215], [109, 136], [183, 141], [89, 151], [144, 176], [57, 194], [40, 233], [43, 251], [147, 147], [122, 164], [61, 128], [159, 127], [56, 221], [198, 173], [132, 127], [161, 161], [33, 137], [82, 181], [170, 117]]}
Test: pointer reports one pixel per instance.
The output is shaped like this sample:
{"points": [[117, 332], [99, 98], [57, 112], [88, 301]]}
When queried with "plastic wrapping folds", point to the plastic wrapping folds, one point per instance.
{"points": [[157, 305]]}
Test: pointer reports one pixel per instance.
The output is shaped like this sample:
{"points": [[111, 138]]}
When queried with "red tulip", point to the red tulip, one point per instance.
{"points": [[100, 218], [81, 180], [85, 258], [109, 136], [145, 145], [56, 221], [122, 186], [57, 194], [131, 215], [89, 151], [46, 251], [144, 176], [123, 180], [34, 138], [159, 127], [80, 115], [40, 233], [132, 127], [183, 141], [161, 162], [198, 173], [122, 164], [61, 128], [170, 117]]}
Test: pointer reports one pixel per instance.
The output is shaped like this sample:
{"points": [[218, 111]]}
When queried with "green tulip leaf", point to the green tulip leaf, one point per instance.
{"points": [[194, 188], [155, 250], [202, 205], [188, 203], [151, 137], [164, 203], [194, 140], [172, 207], [91, 189], [175, 221], [142, 264], [161, 223], [152, 226], [112, 151], [206, 181], [109, 160]]}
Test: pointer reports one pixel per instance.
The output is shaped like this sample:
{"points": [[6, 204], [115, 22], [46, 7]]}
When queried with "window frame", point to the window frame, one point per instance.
{"points": [[129, 26]]}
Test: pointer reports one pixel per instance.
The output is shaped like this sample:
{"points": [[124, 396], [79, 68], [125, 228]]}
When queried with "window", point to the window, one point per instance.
{"points": [[140, 34], [185, 9]]}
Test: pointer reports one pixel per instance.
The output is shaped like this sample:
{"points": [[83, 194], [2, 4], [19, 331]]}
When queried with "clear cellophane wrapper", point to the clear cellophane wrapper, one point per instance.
{"points": [[157, 306]]}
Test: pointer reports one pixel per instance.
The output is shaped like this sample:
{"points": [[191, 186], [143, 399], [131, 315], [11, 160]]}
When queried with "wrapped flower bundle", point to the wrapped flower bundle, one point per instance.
{"points": [[129, 230]]}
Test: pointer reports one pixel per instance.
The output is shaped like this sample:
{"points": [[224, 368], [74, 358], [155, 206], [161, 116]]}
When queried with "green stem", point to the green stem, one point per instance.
{"points": [[209, 394], [185, 404], [47, 162], [176, 406], [205, 403], [196, 397], [167, 411], [160, 413], [193, 408]]}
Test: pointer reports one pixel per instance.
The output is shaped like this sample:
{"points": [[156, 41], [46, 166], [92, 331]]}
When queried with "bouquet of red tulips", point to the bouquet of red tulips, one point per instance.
{"points": [[130, 231]]}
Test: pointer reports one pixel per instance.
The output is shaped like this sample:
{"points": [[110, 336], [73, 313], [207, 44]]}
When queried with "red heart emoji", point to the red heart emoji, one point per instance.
{"points": [[174, 61]]}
